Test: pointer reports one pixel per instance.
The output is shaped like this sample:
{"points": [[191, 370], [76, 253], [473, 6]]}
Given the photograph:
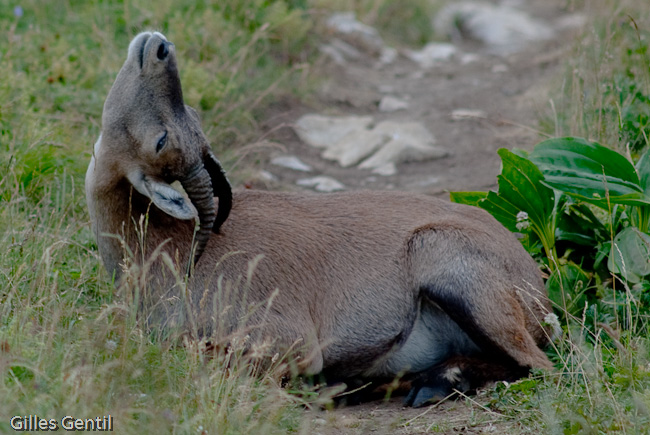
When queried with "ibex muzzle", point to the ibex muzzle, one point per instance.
{"points": [[371, 285]]}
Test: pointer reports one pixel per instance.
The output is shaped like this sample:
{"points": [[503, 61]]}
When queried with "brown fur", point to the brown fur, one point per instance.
{"points": [[357, 279]]}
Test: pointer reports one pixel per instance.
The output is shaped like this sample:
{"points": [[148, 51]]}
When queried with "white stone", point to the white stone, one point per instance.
{"points": [[468, 58], [267, 176], [350, 140], [345, 49], [291, 162], [392, 104], [464, 114], [407, 141], [340, 51], [501, 28], [387, 56], [386, 170], [321, 183], [333, 54], [431, 54], [346, 26], [321, 131], [354, 147]]}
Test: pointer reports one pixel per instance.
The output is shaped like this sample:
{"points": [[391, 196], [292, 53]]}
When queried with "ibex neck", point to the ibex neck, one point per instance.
{"points": [[126, 224]]}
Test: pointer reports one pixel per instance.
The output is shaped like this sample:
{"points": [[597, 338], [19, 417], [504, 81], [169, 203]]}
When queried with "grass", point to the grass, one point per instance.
{"points": [[69, 345]]}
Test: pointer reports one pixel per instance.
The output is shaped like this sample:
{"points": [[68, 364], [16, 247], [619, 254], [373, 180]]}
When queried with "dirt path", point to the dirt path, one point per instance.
{"points": [[457, 416], [511, 91]]}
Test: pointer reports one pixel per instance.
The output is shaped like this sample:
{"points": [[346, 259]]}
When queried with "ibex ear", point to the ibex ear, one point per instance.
{"points": [[163, 196]]}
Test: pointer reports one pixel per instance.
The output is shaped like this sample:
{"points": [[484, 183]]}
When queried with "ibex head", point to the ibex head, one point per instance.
{"points": [[157, 139]]}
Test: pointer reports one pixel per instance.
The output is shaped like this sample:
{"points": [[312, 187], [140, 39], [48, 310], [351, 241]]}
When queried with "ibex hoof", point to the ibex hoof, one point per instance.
{"points": [[426, 395]]}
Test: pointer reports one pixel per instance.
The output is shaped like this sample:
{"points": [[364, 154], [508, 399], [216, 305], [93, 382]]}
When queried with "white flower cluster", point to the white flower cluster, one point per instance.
{"points": [[522, 221], [553, 321]]}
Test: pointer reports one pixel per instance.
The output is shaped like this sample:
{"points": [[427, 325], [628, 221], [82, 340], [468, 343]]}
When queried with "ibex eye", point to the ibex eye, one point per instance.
{"points": [[161, 142]]}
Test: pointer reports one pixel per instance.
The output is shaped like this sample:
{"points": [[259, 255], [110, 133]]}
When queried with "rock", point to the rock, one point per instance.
{"points": [[385, 170], [347, 50], [321, 131], [291, 162], [333, 54], [407, 141], [321, 183], [387, 56], [464, 114], [392, 104], [501, 28], [349, 140], [267, 176], [468, 58], [356, 33], [431, 54], [340, 51], [354, 147]]}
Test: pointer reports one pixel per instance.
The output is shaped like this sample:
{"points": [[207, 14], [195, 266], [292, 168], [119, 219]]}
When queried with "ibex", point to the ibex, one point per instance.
{"points": [[372, 284]]}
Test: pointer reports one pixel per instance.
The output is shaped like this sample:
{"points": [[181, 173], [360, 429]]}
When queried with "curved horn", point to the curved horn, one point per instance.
{"points": [[221, 188], [199, 189]]}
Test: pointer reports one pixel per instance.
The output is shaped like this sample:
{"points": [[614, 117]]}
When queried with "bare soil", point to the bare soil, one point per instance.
{"points": [[463, 416], [514, 92]]}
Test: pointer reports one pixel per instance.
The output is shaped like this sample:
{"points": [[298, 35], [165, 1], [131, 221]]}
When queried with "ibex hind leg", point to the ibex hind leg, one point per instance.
{"points": [[479, 282], [459, 374], [474, 281]]}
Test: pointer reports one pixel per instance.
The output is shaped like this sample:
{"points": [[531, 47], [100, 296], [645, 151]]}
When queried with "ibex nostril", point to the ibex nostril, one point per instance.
{"points": [[163, 51]]}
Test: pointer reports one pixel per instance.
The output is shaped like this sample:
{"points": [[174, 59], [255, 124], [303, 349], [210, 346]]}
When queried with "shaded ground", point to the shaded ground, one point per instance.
{"points": [[451, 417], [512, 91]]}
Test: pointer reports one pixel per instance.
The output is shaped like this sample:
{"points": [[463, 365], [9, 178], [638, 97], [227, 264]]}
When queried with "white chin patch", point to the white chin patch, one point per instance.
{"points": [[165, 197], [171, 201]]}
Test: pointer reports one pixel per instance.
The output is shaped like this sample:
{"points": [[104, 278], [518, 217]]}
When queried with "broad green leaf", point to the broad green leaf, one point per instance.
{"points": [[520, 190], [469, 198], [630, 256], [504, 211], [589, 171], [643, 169], [579, 225]]}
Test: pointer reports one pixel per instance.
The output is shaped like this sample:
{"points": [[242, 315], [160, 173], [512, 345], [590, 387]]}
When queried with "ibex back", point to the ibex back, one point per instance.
{"points": [[370, 284]]}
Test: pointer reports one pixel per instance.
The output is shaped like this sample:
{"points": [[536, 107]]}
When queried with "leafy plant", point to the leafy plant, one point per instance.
{"points": [[632, 110], [549, 197]]}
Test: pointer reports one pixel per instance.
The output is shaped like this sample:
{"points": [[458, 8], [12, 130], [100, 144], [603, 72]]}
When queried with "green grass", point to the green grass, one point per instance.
{"points": [[69, 345]]}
